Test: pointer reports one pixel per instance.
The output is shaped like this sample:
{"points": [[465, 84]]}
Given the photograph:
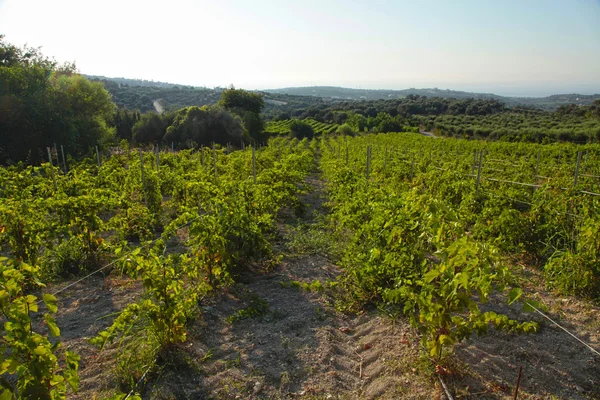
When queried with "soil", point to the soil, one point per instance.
{"points": [[292, 343]]}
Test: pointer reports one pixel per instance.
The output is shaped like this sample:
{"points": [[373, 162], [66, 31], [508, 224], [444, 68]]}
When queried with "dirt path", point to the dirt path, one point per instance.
{"points": [[158, 107], [295, 345]]}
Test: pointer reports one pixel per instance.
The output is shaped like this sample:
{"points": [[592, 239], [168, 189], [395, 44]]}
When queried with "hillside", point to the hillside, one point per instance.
{"points": [[140, 94], [135, 94], [338, 93]]}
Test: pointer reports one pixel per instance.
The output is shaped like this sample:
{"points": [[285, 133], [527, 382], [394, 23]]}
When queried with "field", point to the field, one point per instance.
{"points": [[376, 266], [283, 127]]}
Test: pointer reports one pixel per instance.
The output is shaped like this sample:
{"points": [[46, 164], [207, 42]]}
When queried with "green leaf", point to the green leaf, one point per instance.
{"points": [[514, 295], [56, 379], [72, 378], [431, 275], [54, 331], [6, 395], [50, 302]]}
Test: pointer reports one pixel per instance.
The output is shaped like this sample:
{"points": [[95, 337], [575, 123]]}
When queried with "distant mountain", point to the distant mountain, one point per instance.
{"points": [[339, 93]]}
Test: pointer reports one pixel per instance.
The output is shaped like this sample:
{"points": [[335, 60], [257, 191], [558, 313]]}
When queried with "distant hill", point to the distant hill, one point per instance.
{"points": [[339, 93], [136, 94], [135, 82], [141, 95]]}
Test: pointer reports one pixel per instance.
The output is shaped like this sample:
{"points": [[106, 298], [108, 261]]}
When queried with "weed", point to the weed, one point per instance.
{"points": [[258, 307], [314, 286]]}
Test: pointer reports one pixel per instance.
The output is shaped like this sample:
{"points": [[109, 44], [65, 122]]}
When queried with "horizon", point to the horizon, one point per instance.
{"points": [[507, 48], [351, 88]]}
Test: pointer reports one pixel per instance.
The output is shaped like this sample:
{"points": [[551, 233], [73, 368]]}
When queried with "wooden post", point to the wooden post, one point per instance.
{"points": [[254, 163], [62, 150], [142, 167], [157, 158], [474, 162], [479, 173], [143, 176], [368, 171], [172, 147], [577, 168], [56, 152], [537, 166], [385, 154], [51, 167], [215, 160], [98, 156]]}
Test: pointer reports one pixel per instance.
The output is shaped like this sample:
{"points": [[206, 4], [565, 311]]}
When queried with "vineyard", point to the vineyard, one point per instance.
{"points": [[283, 127], [375, 266]]}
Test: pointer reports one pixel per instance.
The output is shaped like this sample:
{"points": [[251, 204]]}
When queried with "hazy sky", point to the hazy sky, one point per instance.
{"points": [[521, 47]]}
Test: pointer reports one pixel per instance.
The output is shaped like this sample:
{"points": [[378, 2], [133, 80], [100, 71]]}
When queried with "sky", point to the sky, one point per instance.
{"points": [[508, 47]]}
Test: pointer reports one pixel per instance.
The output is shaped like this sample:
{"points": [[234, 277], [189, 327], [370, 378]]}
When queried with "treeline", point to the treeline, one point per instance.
{"points": [[46, 105], [581, 126], [411, 105], [235, 119], [42, 103], [487, 119], [474, 119]]}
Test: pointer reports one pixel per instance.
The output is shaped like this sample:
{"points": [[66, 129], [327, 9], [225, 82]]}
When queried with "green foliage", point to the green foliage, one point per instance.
{"points": [[151, 128], [345, 130], [258, 307], [31, 367], [134, 223], [419, 237], [577, 270], [195, 126], [441, 302], [314, 286], [220, 224], [247, 106], [133, 94], [237, 100], [301, 130], [283, 127], [156, 322], [44, 103]]}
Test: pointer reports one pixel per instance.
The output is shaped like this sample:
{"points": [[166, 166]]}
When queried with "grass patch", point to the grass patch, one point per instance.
{"points": [[315, 286], [258, 307]]}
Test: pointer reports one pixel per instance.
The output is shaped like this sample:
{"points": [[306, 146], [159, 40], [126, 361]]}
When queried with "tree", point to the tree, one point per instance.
{"points": [[247, 106], [345, 130], [151, 128], [193, 126], [123, 121], [42, 103], [301, 130], [84, 109], [239, 100]]}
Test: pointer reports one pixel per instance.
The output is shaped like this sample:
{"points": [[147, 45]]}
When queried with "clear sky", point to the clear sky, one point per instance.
{"points": [[518, 47]]}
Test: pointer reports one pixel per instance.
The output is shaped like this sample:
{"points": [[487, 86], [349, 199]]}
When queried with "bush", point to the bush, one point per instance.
{"points": [[346, 130], [301, 130]]}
